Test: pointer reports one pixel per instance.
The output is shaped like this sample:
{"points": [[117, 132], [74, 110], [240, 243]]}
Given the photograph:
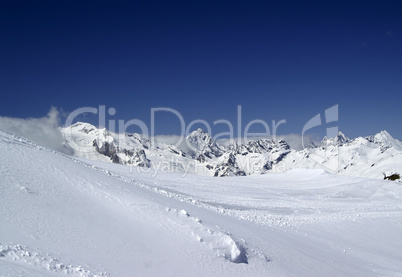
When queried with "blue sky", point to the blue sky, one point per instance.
{"points": [[278, 60]]}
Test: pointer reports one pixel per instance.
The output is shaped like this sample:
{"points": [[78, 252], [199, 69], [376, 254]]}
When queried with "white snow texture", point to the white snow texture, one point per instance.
{"points": [[68, 216]]}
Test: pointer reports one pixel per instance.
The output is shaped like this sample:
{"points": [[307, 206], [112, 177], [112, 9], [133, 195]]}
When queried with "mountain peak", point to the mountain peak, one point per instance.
{"points": [[80, 124], [198, 131], [81, 127], [384, 135], [339, 139], [386, 140], [201, 142], [200, 135]]}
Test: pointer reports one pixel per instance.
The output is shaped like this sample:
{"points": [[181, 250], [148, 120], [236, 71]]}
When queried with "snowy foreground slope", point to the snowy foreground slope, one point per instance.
{"points": [[60, 216]]}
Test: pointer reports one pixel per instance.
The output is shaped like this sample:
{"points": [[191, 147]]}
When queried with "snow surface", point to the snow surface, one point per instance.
{"points": [[63, 216]]}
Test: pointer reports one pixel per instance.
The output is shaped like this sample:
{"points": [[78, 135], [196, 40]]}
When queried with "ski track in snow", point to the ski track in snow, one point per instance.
{"points": [[220, 241], [232, 249], [19, 254]]}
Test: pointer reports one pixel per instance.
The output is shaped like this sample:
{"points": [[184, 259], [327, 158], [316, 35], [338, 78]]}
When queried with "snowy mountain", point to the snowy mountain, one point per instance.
{"points": [[375, 156], [339, 140], [200, 146], [67, 216], [371, 157], [199, 153], [385, 140]]}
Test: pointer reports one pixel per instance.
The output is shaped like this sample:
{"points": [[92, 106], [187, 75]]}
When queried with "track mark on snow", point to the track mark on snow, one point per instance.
{"points": [[19, 254], [221, 242]]}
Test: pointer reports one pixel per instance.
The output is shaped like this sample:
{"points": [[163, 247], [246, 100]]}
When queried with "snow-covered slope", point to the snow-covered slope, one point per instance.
{"points": [[61, 216], [374, 157]]}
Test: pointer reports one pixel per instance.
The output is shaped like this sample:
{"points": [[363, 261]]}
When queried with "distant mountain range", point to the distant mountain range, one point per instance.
{"points": [[376, 156]]}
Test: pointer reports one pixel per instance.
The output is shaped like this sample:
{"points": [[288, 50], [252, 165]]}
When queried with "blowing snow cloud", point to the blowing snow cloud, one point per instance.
{"points": [[44, 131]]}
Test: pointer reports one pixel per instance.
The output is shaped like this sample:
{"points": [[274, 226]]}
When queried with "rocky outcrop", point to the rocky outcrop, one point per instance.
{"points": [[200, 143], [228, 167], [135, 157]]}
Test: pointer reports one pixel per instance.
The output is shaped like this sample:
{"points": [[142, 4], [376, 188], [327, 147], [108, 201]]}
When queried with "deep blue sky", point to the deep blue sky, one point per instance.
{"points": [[279, 60]]}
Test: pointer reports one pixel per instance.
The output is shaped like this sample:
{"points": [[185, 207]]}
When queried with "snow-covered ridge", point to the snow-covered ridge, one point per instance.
{"points": [[374, 156]]}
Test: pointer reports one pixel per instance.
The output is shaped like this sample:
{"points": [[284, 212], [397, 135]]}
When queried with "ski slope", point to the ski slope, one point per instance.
{"points": [[62, 216]]}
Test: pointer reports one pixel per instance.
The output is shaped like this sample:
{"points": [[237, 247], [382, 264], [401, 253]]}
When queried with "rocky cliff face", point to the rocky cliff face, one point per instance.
{"points": [[255, 156], [201, 146], [119, 155]]}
